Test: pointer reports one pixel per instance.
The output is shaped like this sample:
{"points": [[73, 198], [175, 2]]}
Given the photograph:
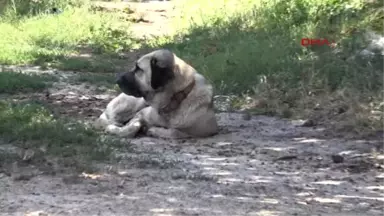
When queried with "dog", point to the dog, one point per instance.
{"points": [[172, 100]]}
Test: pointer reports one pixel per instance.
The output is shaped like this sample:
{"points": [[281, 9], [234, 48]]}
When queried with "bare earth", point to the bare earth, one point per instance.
{"points": [[259, 166]]}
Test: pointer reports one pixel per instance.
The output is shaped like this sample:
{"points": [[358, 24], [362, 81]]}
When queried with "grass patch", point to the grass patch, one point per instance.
{"points": [[31, 126], [17, 82], [62, 40]]}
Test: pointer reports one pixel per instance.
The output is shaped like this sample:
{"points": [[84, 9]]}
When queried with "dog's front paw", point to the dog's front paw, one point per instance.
{"points": [[113, 129]]}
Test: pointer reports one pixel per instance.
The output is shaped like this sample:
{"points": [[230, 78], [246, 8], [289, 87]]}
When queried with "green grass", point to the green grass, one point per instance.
{"points": [[30, 125], [58, 40], [17, 82]]}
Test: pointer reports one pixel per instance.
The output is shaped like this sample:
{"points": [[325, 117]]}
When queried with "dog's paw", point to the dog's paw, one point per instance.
{"points": [[113, 129]]}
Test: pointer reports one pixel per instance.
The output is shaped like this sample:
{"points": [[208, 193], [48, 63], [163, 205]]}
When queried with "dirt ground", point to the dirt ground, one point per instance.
{"points": [[151, 18], [256, 166]]}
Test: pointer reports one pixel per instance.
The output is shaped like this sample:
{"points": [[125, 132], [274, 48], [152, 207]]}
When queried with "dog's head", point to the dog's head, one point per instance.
{"points": [[151, 73]]}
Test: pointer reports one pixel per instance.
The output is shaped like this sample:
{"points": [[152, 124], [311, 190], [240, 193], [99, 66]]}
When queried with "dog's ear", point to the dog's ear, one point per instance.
{"points": [[162, 71]]}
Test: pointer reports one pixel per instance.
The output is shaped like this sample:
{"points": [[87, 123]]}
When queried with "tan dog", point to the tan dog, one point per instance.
{"points": [[180, 99]]}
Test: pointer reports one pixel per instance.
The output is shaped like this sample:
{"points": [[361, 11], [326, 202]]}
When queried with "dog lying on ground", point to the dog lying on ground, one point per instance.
{"points": [[164, 95]]}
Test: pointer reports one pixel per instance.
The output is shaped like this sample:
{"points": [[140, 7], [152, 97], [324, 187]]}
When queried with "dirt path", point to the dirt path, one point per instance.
{"points": [[152, 18], [262, 166]]}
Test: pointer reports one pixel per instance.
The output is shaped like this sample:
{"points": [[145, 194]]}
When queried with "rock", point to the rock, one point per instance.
{"points": [[23, 176], [36, 213], [223, 103], [72, 179], [379, 166], [308, 123], [27, 154], [337, 159], [247, 116], [287, 157]]}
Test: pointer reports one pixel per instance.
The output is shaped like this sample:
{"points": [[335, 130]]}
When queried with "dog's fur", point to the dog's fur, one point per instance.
{"points": [[172, 100]]}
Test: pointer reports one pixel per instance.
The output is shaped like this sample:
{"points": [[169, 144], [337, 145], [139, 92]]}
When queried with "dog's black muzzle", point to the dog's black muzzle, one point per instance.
{"points": [[127, 83]]}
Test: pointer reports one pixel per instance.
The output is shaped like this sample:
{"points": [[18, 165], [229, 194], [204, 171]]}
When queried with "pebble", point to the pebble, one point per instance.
{"points": [[337, 159]]}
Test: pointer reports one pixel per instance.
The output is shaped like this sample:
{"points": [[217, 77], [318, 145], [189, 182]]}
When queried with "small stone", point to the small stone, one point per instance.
{"points": [[27, 154], [36, 213], [308, 123], [342, 109], [247, 116], [287, 157], [72, 179], [337, 159], [23, 176]]}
